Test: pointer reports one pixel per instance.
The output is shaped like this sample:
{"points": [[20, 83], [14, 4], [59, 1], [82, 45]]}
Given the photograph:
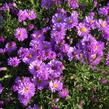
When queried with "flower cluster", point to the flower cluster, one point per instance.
{"points": [[89, 50], [26, 14]]}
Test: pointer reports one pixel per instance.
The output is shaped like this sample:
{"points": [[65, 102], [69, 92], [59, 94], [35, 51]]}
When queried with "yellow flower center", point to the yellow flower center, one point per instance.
{"points": [[94, 56], [59, 20], [103, 24], [39, 35], [81, 55], [30, 56], [29, 14], [26, 89], [39, 81], [55, 85], [20, 34], [91, 21], [96, 48], [83, 29], [70, 21]]}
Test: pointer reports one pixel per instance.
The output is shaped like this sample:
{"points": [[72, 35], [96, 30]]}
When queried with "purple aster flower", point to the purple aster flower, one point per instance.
{"points": [[13, 4], [82, 30], [58, 18], [43, 73], [99, 52], [65, 48], [25, 89], [30, 56], [62, 11], [58, 32], [34, 107], [10, 46], [71, 53], [5, 7], [55, 85], [95, 3], [46, 4], [38, 35], [89, 50], [21, 34], [73, 3], [55, 68], [105, 34], [47, 45], [1, 88], [8, 6], [22, 52], [101, 24], [36, 66], [90, 22], [22, 15], [31, 14], [103, 81], [92, 14], [31, 27], [107, 19], [40, 84], [23, 99], [48, 54], [72, 21], [36, 44], [104, 11], [13, 61], [64, 93]]}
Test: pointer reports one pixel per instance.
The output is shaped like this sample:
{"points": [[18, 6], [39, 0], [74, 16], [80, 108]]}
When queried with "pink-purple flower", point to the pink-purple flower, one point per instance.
{"points": [[10, 46], [13, 61], [25, 89], [82, 30], [64, 93], [23, 15], [55, 85], [21, 34], [73, 3], [31, 15]]}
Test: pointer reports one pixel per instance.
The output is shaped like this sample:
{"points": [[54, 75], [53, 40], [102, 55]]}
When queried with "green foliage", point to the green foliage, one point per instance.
{"points": [[82, 81], [10, 25]]}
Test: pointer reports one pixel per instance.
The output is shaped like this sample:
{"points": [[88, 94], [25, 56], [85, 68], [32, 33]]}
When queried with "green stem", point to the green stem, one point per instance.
{"points": [[33, 3]]}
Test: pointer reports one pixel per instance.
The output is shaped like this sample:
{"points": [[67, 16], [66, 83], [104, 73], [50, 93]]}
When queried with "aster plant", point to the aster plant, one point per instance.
{"points": [[54, 54]]}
